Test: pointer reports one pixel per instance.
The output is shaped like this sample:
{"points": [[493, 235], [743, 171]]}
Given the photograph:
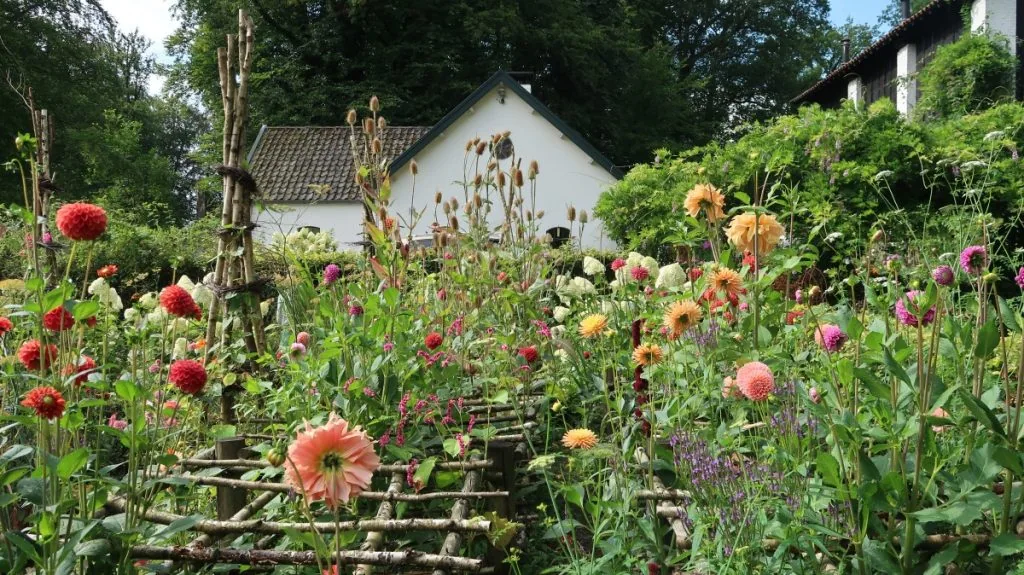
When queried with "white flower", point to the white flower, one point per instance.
{"points": [[670, 276], [180, 348], [650, 264], [557, 331], [177, 325], [584, 286], [98, 285], [112, 300], [562, 355], [833, 237], [186, 284], [149, 300], [615, 283], [634, 259], [265, 307], [560, 313], [592, 267], [156, 316], [132, 315], [202, 295], [608, 307]]}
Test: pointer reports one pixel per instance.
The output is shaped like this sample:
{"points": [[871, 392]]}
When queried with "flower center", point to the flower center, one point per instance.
{"points": [[332, 462], [48, 400]]}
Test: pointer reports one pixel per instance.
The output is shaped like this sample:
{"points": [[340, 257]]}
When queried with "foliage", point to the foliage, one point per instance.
{"points": [[966, 76]]}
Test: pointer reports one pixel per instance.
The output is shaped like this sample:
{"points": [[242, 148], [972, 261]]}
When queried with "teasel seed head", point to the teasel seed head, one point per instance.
{"points": [[481, 147], [437, 197], [368, 125], [351, 118], [414, 167], [540, 214], [377, 146], [477, 200], [381, 124], [584, 217], [517, 177], [374, 104], [501, 179], [534, 170], [455, 203], [454, 222], [478, 180], [570, 213]]}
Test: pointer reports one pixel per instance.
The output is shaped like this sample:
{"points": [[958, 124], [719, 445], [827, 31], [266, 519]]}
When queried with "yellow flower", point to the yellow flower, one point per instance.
{"points": [[728, 281], [681, 316], [705, 197], [593, 325], [579, 439], [741, 232], [646, 355]]}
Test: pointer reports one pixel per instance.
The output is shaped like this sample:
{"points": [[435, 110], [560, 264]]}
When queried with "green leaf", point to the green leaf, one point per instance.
{"points": [[177, 526], [15, 452], [828, 468], [126, 390], [451, 447], [222, 431], [895, 369], [982, 413], [31, 488], [1009, 317], [423, 471], [85, 309], [1007, 544], [874, 385], [72, 462], [988, 339], [93, 548]]}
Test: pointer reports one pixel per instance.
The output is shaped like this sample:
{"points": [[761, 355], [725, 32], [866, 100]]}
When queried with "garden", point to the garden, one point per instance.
{"points": [[760, 382]]}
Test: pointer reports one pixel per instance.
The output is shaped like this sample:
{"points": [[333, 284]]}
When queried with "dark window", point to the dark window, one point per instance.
{"points": [[559, 236]]}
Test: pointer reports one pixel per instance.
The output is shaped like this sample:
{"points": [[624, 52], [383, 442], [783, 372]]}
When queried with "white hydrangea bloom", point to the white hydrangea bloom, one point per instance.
{"points": [[112, 300], [156, 316], [177, 325], [562, 355], [650, 264], [185, 283], [98, 286], [557, 331], [132, 315], [560, 313], [615, 283], [634, 259], [180, 348], [149, 300], [592, 267], [202, 295], [670, 276], [608, 307], [584, 286]]}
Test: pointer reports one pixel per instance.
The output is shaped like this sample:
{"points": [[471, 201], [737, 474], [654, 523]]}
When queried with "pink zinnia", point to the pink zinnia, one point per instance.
{"points": [[974, 259], [331, 274], [943, 275], [118, 424], [830, 337], [755, 380], [909, 316], [331, 463], [639, 273], [618, 264]]}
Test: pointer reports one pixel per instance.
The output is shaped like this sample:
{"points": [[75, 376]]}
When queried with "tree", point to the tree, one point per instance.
{"points": [[893, 13]]}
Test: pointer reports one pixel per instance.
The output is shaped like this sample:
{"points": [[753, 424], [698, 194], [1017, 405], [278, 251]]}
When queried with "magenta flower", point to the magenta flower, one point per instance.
{"points": [[331, 274], [974, 259], [943, 275], [355, 310], [1020, 278], [830, 337], [618, 264], [909, 316], [298, 349]]}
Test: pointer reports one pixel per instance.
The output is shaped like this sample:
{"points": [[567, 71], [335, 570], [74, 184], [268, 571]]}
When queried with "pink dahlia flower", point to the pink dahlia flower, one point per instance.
{"points": [[1019, 279], [830, 337], [755, 381], [943, 275], [331, 463], [974, 259], [909, 316]]}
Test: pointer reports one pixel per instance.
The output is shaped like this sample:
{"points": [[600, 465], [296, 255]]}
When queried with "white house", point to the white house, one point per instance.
{"points": [[307, 173]]}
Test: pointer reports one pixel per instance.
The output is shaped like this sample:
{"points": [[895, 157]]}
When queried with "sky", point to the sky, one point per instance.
{"points": [[153, 19], [862, 11]]}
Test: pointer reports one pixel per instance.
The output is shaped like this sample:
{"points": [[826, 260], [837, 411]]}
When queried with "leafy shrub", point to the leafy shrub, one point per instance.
{"points": [[973, 73]]}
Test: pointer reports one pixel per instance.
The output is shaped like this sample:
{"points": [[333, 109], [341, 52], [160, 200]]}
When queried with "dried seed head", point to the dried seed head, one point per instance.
{"points": [[377, 146], [351, 118], [492, 165], [478, 200], [529, 216], [455, 223], [468, 209], [381, 124], [540, 214], [519, 201], [443, 239], [368, 125], [478, 180], [447, 208], [534, 170], [518, 177], [570, 213], [454, 202], [469, 145], [414, 167], [506, 134], [584, 217], [437, 197], [481, 148], [501, 179], [374, 104]]}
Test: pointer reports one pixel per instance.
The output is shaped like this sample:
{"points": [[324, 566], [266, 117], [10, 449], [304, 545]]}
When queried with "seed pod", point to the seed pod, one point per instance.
{"points": [[529, 216], [414, 167], [478, 180], [518, 177], [446, 208], [374, 104], [455, 203], [534, 170], [481, 148], [518, 201], [443, 237], [501, 179], [540, 214], [351, 118], [469, 145], [377, 146], [381, 124], [468, 209], [584, 217], [368, 125], [455, 222], [570, 213], [437, 197], [478, 200], [492, 165]]}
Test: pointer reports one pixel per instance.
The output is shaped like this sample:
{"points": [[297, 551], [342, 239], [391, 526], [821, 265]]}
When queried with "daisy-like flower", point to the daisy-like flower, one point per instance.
{"points": [[81, 221], [681, 316], [829, 337], [331, 463], [639, 273], [646, 355], [106, 272], [741, 232], [908, 316], [755, 380], [706, 198], [974, 259], [593, 325], [47, 402], [727, 281], [579, 439]]}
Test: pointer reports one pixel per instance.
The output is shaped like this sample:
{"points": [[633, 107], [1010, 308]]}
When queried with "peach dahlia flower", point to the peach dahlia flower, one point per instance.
{"points": [[332, 463]]}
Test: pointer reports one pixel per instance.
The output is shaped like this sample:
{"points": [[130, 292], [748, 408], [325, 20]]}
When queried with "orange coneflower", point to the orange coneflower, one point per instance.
{"points": [[707, 198], [593, 325], [579, 439], [728, 281], [646, 355], [681, 316]]}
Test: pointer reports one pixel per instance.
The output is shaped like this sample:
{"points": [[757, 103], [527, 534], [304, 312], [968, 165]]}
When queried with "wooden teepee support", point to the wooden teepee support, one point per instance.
{"points": [[235, 272]]}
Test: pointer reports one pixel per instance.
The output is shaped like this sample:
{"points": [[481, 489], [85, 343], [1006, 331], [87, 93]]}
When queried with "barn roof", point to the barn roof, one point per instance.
{"points": [[314, 163]]}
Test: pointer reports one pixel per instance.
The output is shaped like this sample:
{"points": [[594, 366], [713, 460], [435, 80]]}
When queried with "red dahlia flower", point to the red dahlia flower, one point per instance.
{"points": [[528, 353], [189, 376], [58, 319], [6, 326], [106, 272], [31, 355], [46, 401], [433, 340], [84, 367], [179, 302], [81, 221]]}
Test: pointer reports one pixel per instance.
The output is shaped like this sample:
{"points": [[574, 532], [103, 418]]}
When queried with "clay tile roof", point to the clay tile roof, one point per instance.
{"points": [[287, 160]]}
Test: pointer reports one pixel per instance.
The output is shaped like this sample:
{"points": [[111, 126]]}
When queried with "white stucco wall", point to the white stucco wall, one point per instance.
{"points": [[344, 220], [567, 175], [996, 17], [906, 79]]}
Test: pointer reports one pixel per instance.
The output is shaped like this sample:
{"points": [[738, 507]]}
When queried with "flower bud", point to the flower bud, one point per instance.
{"points": [[414, 167], [990, 277], [374, 104], [814, 293], [556, 406], [437, 197], [534, 170], [351, 118], [878, 236]]}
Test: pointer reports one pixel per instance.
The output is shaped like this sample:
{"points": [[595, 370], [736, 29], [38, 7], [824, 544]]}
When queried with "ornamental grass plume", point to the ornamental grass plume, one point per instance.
{"points": [[755, 381], [974, 260], [58, 319], [593, 325], [579, 439], [188, 375], [680, 316], [908, 316], [47, 402], [646, 355], [331, 463], [829, 337], [81, 221], [706, 198], [32, 355], [741, 232]]}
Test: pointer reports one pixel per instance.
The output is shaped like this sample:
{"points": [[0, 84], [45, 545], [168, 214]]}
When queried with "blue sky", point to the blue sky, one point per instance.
{"points": [[862, 11]]}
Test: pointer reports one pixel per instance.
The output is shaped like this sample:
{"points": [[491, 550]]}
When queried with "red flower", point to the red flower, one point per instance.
{"points": [[107, 271], [528, 353], [81, 221], [47, 401], [433, 340], [189, 376], [696, 273], [31, 356], [87, 364], [178, 302], [6, 325], [618, 264], [90, 321], [502, 276], [793, 316], [639, 273], [58, 319]]}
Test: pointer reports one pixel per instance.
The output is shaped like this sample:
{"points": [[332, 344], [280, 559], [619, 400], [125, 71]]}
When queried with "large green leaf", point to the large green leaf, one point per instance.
{"points": [[988, 339], [982, 413]]}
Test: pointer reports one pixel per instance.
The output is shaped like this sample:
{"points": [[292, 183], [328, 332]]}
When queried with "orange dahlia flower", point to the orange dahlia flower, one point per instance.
{"points": [[741, 232], [707, 198], [727, 281], [593, 325], [579, 439], [331, 463], [681, 316], [646, 355]]}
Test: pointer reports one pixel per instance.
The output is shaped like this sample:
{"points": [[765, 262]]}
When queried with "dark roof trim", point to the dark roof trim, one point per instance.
{"points": [[847, 68], [502, 77], [255, 145]]}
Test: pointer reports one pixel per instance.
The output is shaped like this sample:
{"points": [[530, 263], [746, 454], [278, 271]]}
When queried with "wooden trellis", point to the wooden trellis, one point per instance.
{"points": [[488, 484]]}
